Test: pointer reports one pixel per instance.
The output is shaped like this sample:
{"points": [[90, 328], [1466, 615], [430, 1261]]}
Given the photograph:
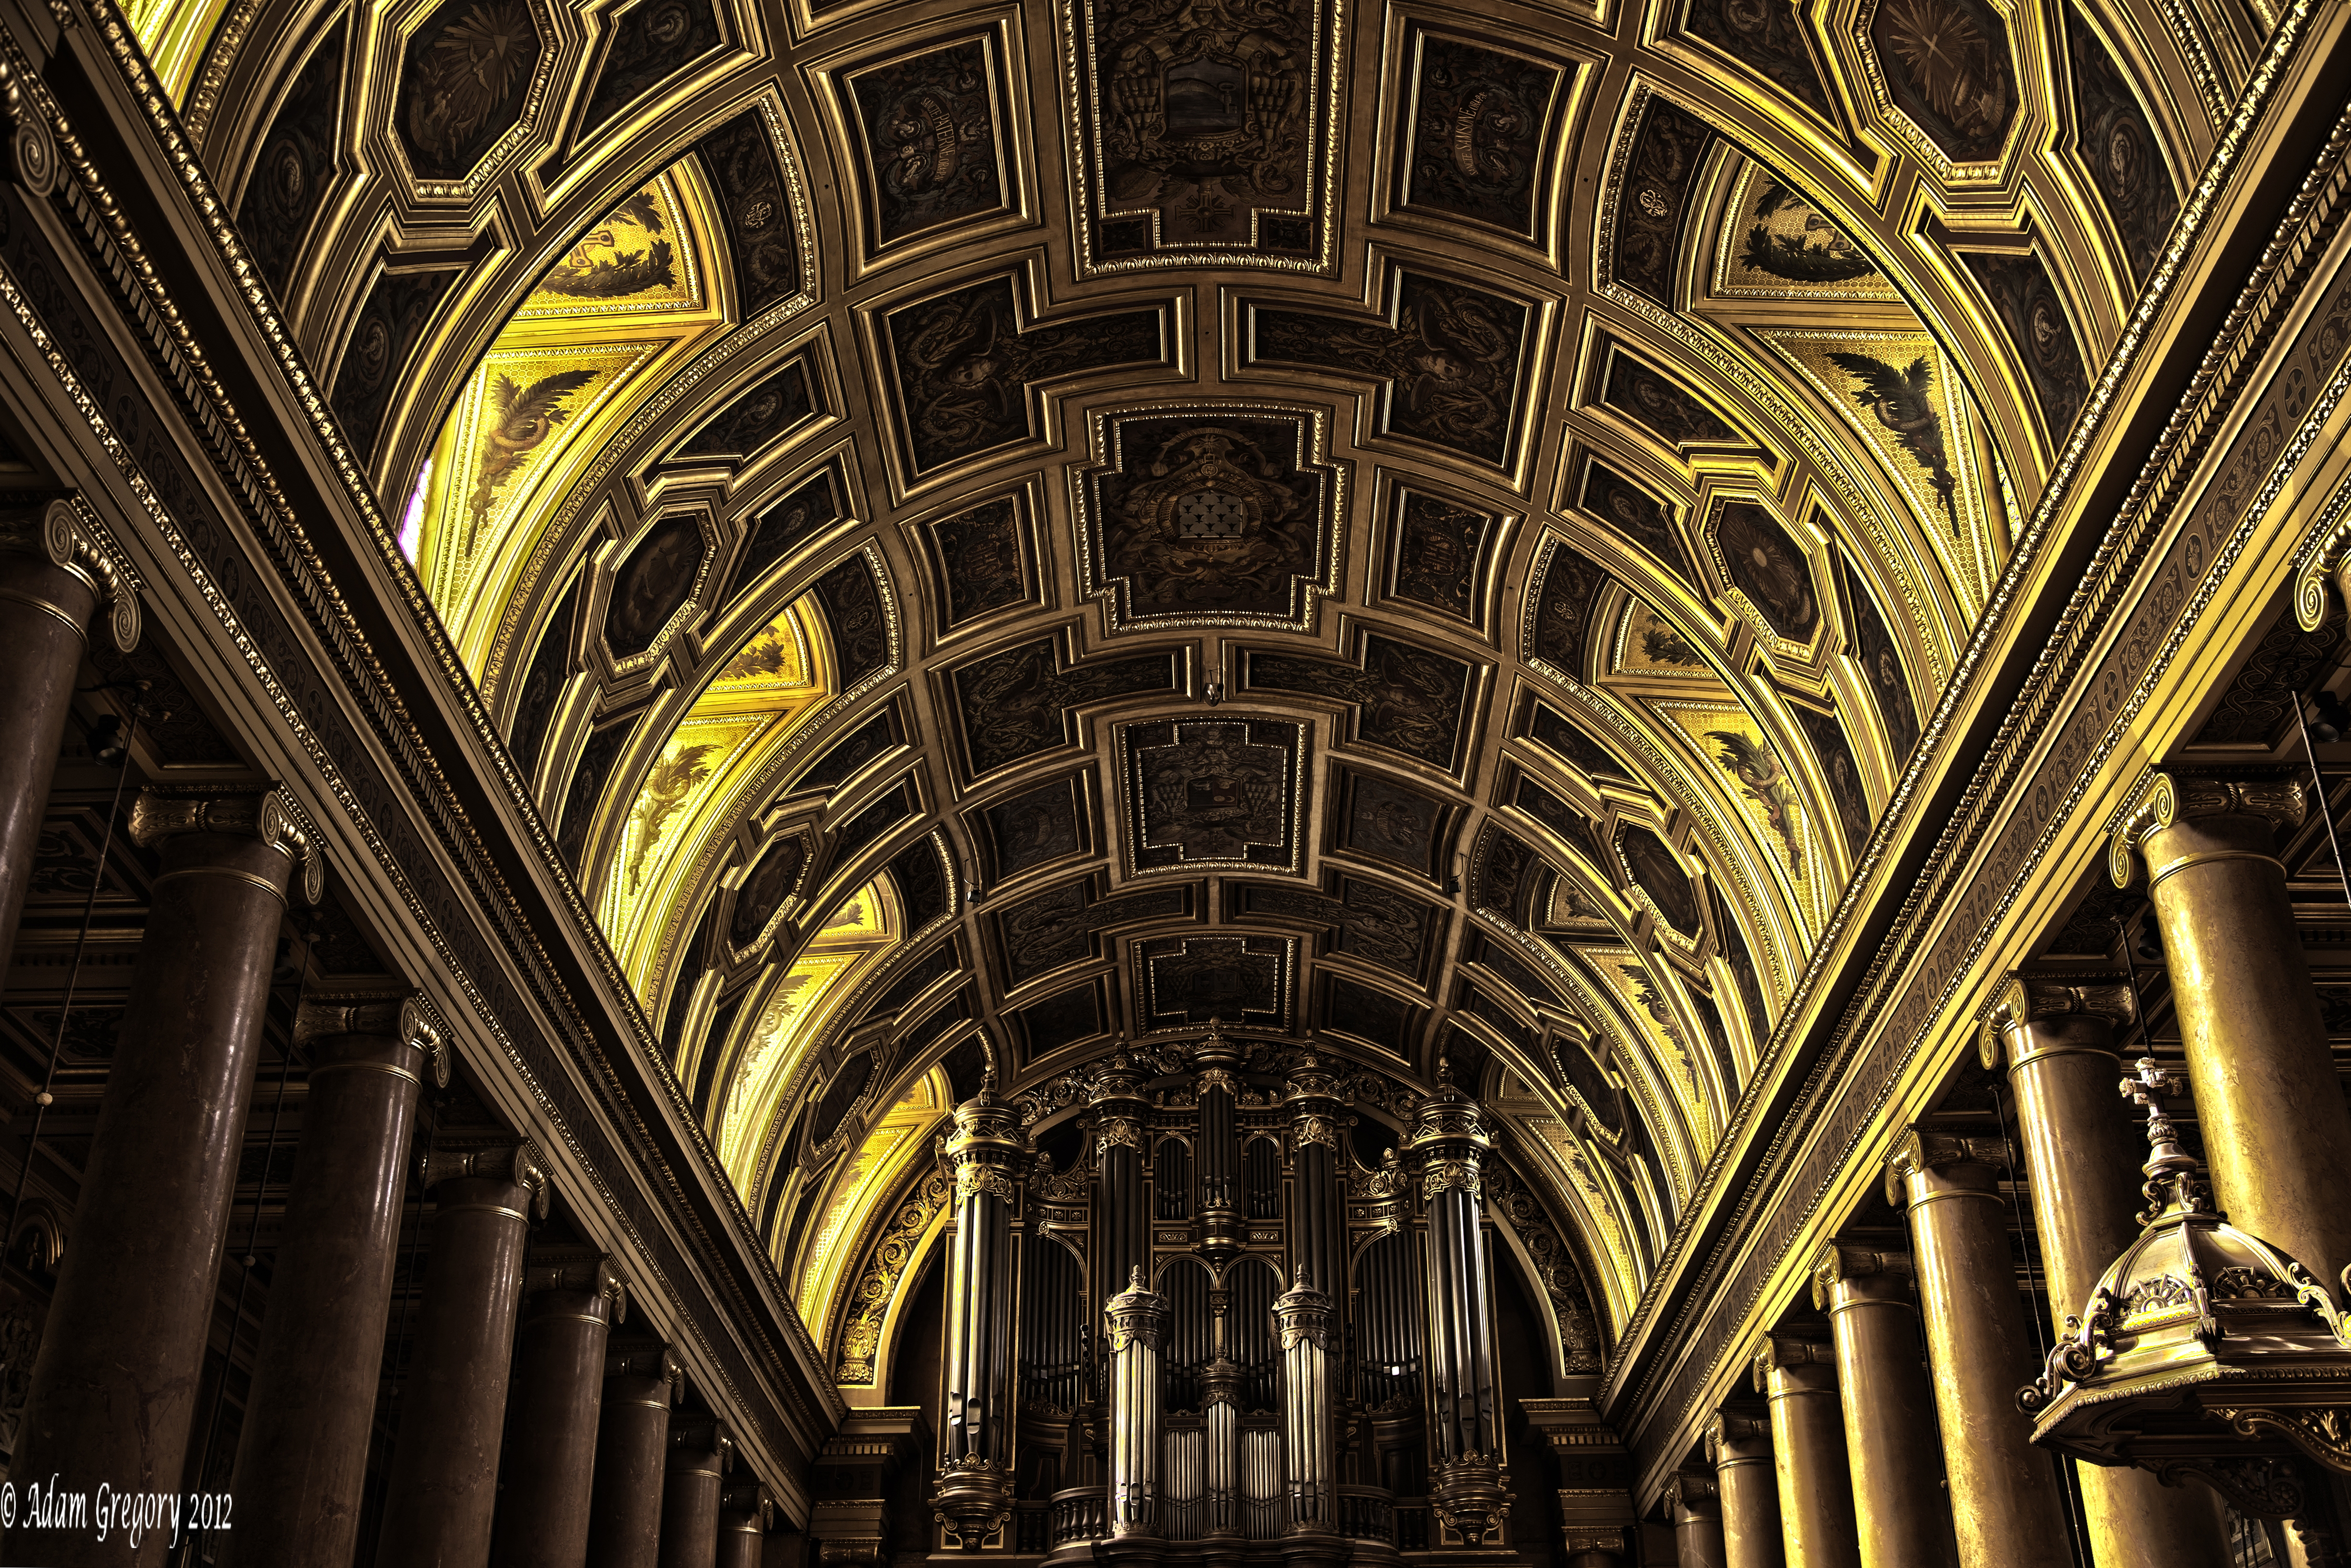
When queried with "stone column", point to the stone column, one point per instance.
{"points": [[2276, 1131], [1695, 1505], [573, 1297], [746, 1514], [1449, 1142], [1749, 1488], [973, 1490], [2056, 1037], [114, 1384], [52, 575], [700, 1455], [632, 1442], [452, 1405], [1317, 1112], [301, 1456], [2005, 1503], [1221, 1227], [1889, 1415], [1138, 1323], [1815, 1480], [1301, 1317], [1122, 1225]]}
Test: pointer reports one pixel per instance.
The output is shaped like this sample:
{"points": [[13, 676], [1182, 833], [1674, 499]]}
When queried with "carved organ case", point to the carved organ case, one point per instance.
{"points": [[1224, 1324]]}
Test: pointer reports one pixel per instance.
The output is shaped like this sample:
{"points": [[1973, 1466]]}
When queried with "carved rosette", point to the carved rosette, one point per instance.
{"points": [[2164, 798], [61, 531], [272, 816]]}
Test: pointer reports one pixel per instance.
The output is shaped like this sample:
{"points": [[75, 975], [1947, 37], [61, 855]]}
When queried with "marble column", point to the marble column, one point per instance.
{"points": [[2006, 1507], [746, 1514], [1694, 1504], [2275, 1128], [2081, 1155], [301, 1455], [53, 575], [1815, 1480], [114, 1384], [445, 1465], [1898, 1506], [572, 1297], [1746, 1480], [641, 1383], [700, 1455]]}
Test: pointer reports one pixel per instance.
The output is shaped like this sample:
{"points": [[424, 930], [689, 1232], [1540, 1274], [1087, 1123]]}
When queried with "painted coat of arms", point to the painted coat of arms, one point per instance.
{"points": [[1203, 114]]}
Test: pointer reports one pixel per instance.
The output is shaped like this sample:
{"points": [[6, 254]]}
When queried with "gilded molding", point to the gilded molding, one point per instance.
{"points": [[1450, 1176], [271, 815], [2163, 798], [61, 529], [1315, 1130], [867, 1310], [982, 1181], [405, 1016], [2022, 1001], [32, 149], [1136, 1315], [1779, 1350]]}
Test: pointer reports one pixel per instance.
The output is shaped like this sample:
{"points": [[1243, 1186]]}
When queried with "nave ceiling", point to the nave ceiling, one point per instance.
{"points": [[988, 529]]}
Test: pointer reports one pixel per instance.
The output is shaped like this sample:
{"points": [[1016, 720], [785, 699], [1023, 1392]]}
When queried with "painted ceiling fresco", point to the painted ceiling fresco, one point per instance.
{"points": [[995, 530]]}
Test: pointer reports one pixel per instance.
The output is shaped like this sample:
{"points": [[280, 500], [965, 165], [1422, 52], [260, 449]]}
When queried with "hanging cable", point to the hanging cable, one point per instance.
{"points": [[45, 1098], [2326, 807]]}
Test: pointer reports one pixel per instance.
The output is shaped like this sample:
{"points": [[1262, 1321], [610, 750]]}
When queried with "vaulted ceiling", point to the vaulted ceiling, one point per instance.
{"points": [[994, 527]]}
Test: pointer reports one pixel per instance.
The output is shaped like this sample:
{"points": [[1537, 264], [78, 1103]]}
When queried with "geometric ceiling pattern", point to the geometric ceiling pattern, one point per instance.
{"points": [[991, 530]]}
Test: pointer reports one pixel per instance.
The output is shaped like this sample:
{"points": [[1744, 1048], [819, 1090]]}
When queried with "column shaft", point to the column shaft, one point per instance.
{"points": [[1747, 1482], [624, 1511], [44, 611], [2079, 1155], [745, 1514], [1137, 1323], [1694, 1504], [2006, 1507], [1815, 1480], [699, 1455], [2271, 1108], [114, 1384], [559, 1385], [1889, 1414], [301, 1456], [443, 1486]]}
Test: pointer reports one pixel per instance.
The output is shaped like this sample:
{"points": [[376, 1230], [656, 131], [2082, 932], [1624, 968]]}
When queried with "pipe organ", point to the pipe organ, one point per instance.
{"points": [[1235, 1315]]}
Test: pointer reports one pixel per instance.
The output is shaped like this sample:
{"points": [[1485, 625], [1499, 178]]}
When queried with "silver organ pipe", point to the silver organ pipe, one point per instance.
{"points": [[973, 1490], [1449, 1143]]}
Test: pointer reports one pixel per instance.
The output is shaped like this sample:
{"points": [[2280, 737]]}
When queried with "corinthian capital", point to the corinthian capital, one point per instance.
{"points": [[2024, 999], [271, 815], [58, 528], [2164, 797]]}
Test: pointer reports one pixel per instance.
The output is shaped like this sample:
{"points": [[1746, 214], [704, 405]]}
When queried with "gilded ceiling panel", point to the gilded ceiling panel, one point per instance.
{"points": [[1495, 634]]}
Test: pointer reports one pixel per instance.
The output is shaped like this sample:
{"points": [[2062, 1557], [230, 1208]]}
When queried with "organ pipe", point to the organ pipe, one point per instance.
{"points": [[1137, 1322], [1449, 1143], [973, 1490]]}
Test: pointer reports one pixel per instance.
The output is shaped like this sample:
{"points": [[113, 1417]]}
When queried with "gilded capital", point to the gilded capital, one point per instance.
{"points": [[1118, 1132], [1732, 1439], [404, 1017], [1920, 1152], [2021, 1000], [1302, 1314], [586, 1271], [271, 815], [57, 527], [517, 1161], [2164, 797], [1780, 1350], [1322, 1130], [1450, 1176], [1839, 1262]]}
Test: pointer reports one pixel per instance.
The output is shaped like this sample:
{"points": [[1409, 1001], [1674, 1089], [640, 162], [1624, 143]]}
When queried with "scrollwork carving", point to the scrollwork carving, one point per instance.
{"points": [[271, 816], [2163, 799], [61, 531], [1450, 1176]]}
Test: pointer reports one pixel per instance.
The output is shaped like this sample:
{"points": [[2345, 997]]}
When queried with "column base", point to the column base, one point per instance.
{"points": [[971, 1499]]}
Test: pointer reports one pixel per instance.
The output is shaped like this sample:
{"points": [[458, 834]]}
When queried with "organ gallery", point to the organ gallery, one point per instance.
{"points": [[844, 783]]}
